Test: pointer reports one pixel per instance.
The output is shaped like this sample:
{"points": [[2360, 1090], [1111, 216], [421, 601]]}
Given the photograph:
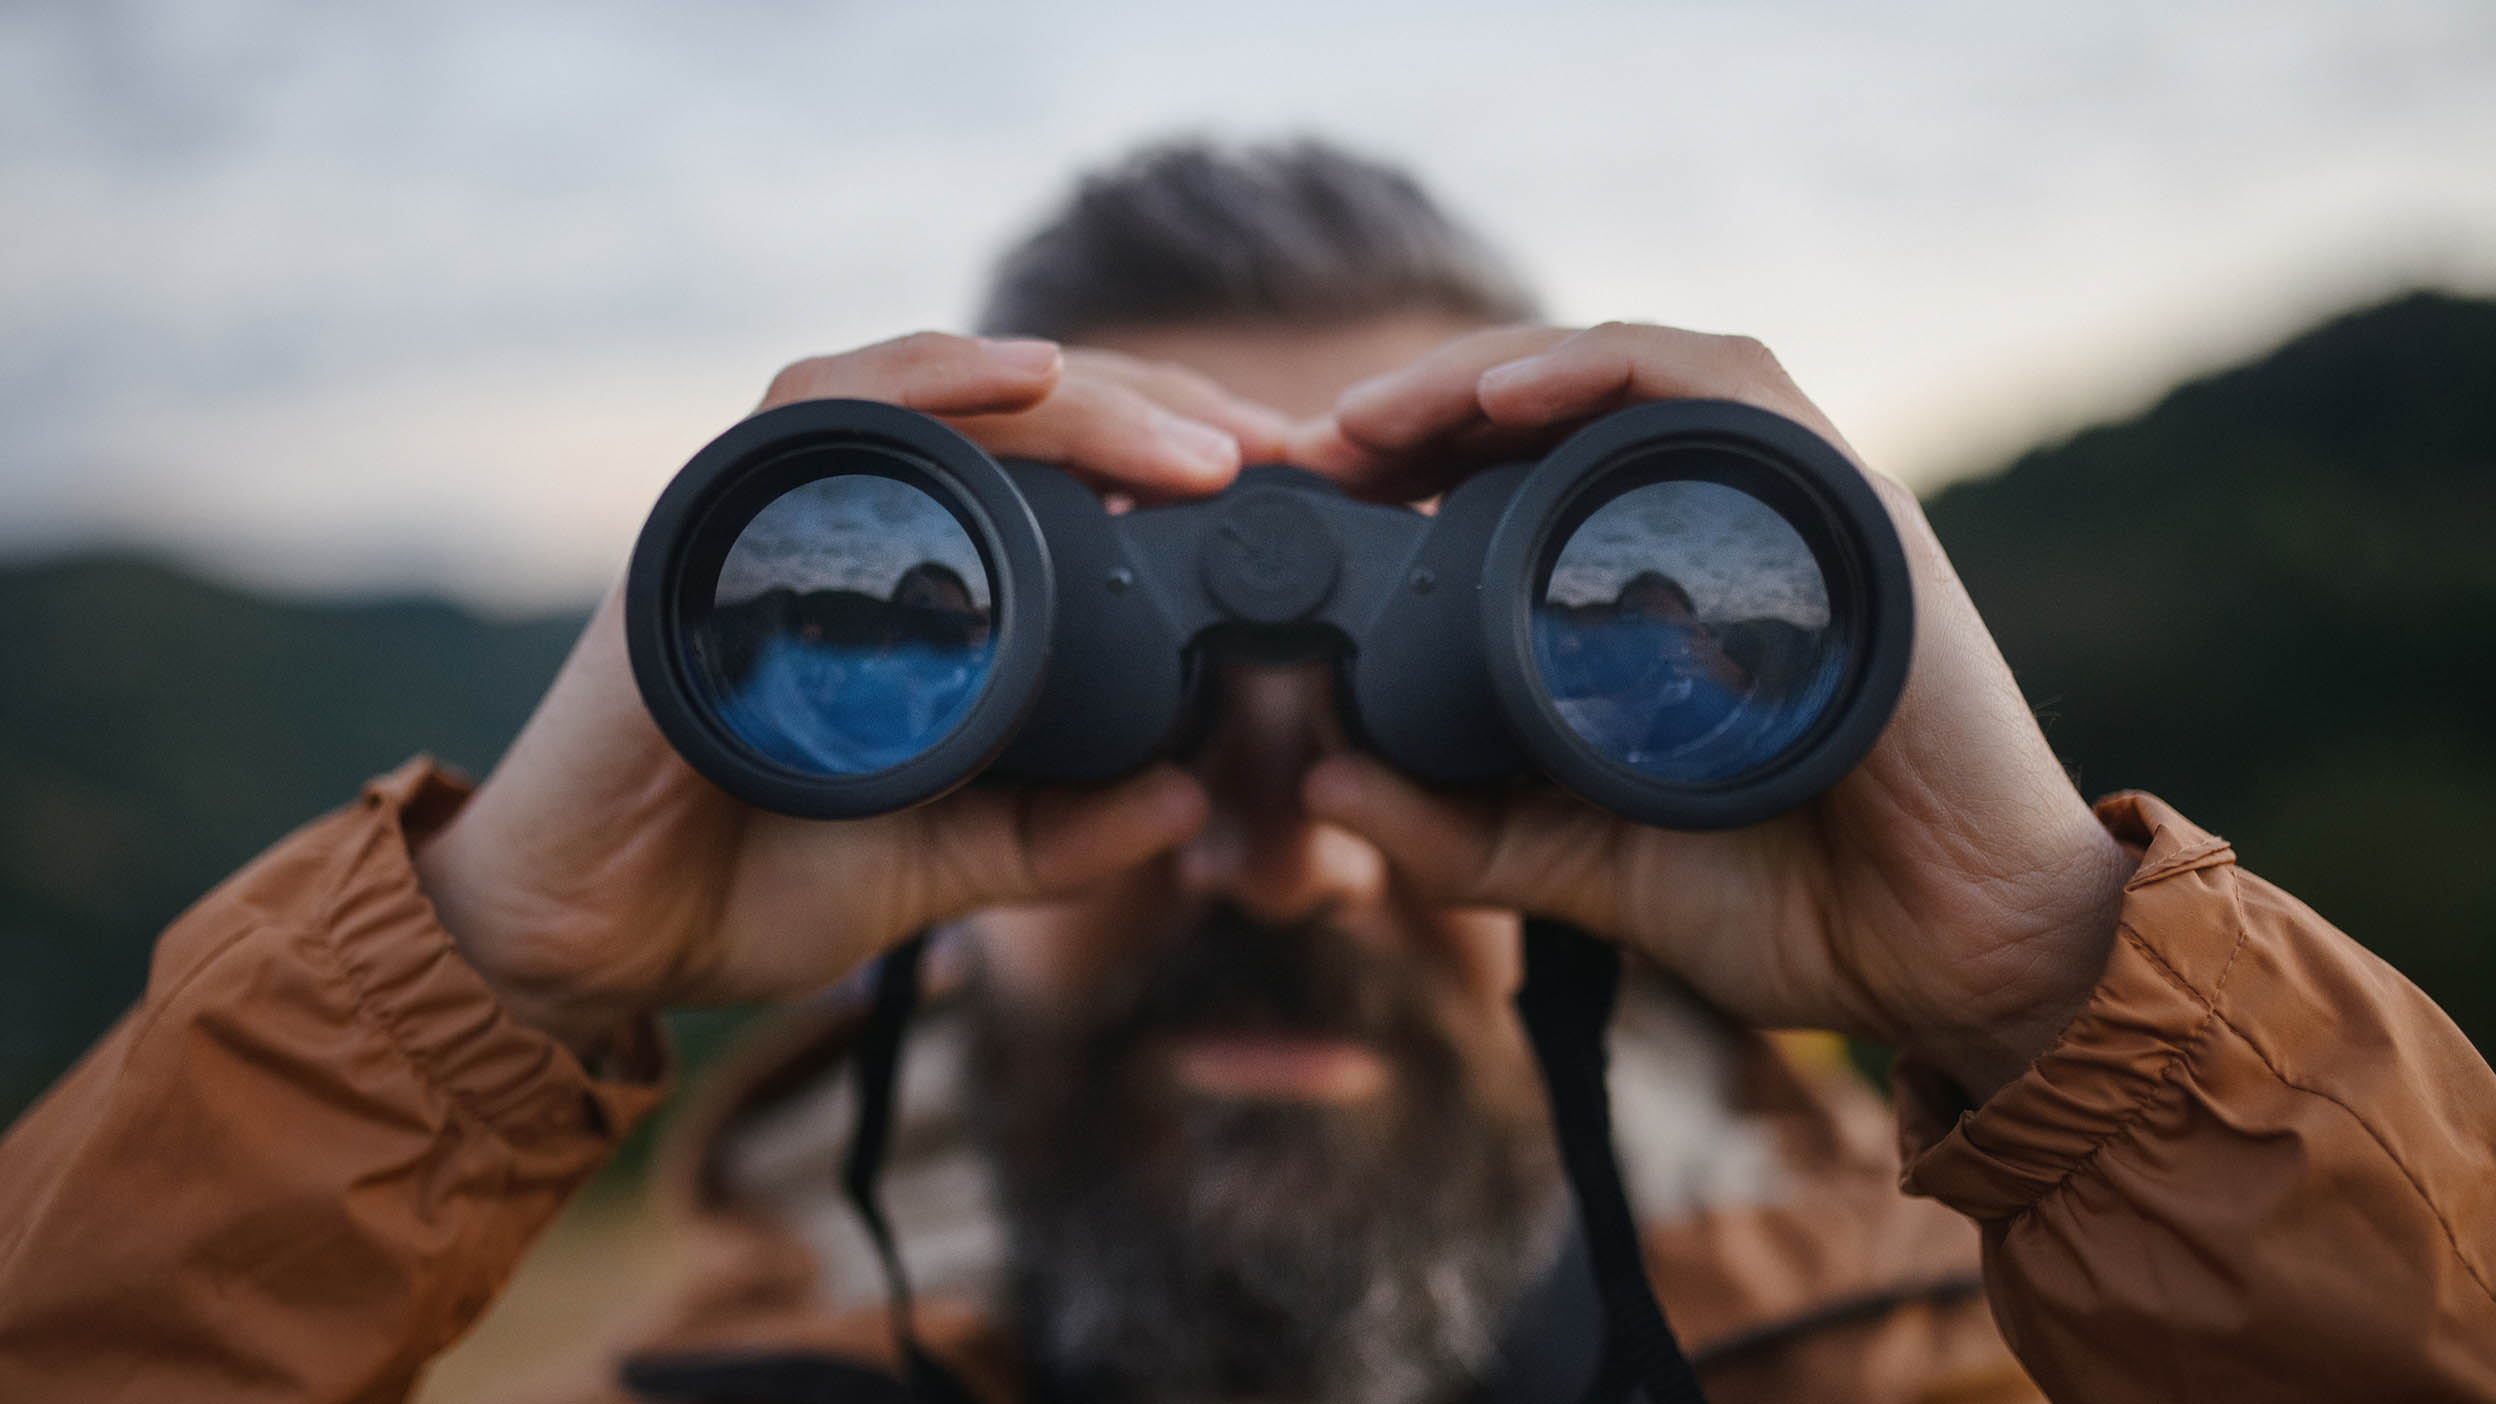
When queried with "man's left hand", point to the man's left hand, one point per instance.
{"points": [[1952, 896]]}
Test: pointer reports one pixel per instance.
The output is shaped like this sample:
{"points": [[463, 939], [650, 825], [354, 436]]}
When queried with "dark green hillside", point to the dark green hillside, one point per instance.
{"points": [[2272, 599], [157, 730]]}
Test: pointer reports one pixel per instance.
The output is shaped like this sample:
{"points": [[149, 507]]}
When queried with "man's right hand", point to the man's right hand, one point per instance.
{"points": [[595, 877]]}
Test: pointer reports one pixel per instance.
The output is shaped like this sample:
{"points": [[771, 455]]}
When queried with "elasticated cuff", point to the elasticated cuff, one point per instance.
{"points": [[524, 1085], [2176, 938]]}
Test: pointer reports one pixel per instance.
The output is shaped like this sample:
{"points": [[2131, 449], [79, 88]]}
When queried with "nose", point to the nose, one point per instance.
{"points": [[1260, 849]]}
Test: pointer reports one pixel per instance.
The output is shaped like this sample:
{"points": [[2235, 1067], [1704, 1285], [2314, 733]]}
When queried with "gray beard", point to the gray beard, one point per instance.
{"points": [[1192, 1250]]}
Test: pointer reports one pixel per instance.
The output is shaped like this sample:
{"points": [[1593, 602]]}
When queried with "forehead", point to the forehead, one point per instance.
{"points": [[1296, 369]]}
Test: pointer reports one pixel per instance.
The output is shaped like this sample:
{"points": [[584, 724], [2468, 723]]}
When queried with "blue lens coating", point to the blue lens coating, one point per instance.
{"points": [[1684, 632], [851, 628]]}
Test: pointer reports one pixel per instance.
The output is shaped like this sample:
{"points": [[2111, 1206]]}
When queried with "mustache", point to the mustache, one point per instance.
{"points": [[1228, 971]]}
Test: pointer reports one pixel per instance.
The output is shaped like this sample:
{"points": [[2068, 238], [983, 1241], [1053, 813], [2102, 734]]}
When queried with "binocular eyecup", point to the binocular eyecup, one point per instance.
{"points": [[1693, 613]]}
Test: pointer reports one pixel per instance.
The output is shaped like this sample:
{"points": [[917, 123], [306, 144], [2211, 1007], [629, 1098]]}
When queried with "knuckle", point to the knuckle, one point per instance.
{"points": [[1166, 383], [799, 380], [1622, 338], [979, 855], [1119, 407], [1900, 499], [1498, 343], [1100, 360], [1751, 356], [1185, 383], [921, 349], [1621, 343], [790, 383], [1506, 865]]}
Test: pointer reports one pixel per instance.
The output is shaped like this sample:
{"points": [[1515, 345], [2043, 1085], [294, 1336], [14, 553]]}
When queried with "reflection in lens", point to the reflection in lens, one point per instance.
{"points": [[851, 628], [1685, 633]]}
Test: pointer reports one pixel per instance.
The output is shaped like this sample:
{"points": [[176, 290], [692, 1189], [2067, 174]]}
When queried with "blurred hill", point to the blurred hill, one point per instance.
{"points": [[2270, 598], [157, 730]]}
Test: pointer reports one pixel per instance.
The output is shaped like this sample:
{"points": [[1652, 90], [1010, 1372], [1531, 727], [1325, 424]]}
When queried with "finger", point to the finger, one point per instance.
{"points": [[1480, 942], [996, 845], [1625, 362], [1073, 838], [1422, 472], [1116, 434], [1414, 432], [1320, 444], [1434, 396], [934, 372], [1539, 853], [1605, 364], [1366, 473], [1261, 431]]}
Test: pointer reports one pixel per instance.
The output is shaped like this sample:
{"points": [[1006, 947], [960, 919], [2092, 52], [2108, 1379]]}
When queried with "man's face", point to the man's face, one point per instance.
{"points": [[1262, 1124]]}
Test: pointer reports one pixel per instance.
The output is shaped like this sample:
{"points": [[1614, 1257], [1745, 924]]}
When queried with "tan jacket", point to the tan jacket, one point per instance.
{"points": [[2259, 1165]]}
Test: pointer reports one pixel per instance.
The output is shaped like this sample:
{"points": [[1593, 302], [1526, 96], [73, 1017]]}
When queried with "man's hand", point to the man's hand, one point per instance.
{"points": [[1952, 895], [595, 876]]}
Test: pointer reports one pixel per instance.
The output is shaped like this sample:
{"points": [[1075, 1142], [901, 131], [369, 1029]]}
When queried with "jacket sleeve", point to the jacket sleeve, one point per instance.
{"points": [[308, 1157], [2258, 1165]]}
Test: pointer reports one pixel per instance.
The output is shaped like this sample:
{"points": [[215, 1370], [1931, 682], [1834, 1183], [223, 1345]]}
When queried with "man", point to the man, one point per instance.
{"points": [[1238, 1049]]}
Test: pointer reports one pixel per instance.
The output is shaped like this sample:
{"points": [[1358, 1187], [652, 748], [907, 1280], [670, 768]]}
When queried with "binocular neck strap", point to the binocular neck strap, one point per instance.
{"points": [[877, 1065], [1571, 982]]}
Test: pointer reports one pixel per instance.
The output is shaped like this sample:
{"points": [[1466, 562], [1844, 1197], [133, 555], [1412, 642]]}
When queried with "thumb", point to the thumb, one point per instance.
{"points": [[1544, 853], [1017, 845]]}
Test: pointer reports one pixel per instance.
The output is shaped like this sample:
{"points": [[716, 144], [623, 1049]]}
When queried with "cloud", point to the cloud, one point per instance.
{"points": [[362, 296]]}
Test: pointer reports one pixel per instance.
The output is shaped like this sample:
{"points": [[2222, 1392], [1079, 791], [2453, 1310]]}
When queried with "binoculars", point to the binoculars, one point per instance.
{"points": [[1693, 613]]}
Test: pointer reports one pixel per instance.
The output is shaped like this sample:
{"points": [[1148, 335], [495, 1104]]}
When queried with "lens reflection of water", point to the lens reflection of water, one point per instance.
{"points": [[830, 709], [1678, 701], [1684, 633]]}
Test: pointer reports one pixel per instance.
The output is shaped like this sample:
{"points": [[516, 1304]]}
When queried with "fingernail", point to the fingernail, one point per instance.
{"points": [[1203, 446], [1506, 374], [1022, 353]]}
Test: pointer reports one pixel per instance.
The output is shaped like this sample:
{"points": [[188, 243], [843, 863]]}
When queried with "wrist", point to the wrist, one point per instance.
{"points": [[2062, 952], [486, 916]]}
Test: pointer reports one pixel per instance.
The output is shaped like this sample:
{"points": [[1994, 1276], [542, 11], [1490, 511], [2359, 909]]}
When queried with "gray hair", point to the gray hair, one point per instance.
{"points": [[1192, 232]]}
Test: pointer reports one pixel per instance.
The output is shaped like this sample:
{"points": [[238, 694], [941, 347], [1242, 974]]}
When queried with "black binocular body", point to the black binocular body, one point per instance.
{"points": [[1693, 613]]}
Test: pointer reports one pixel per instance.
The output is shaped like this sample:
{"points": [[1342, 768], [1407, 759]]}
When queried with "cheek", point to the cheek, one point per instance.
{"points": [[1498, 1061]]}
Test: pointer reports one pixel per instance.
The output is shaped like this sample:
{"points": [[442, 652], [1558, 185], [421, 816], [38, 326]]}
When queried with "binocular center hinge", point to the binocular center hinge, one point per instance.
{"points": [[1270, 558]]}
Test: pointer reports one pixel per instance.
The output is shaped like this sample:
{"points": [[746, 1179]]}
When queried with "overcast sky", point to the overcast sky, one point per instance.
{"points": [[384, 294]]}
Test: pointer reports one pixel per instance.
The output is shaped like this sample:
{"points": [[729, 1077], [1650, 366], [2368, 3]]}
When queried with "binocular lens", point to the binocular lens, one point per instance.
{"points": [[851, 628], [1684, 632]]}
